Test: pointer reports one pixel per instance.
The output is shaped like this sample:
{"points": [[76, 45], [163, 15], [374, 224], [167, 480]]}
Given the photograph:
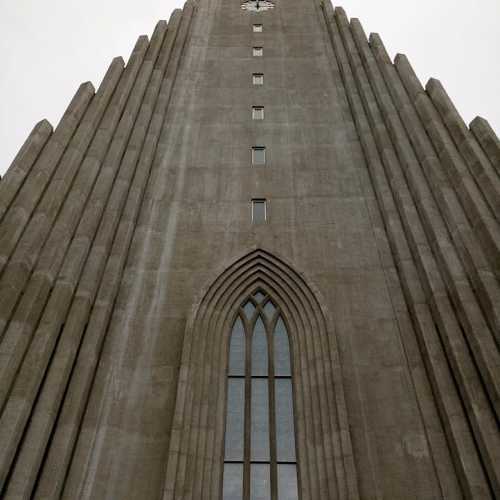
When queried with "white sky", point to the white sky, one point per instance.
{"points": [[48, 48]]}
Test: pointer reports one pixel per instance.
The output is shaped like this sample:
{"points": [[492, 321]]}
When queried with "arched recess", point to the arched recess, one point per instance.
{"points": [[195, 460]]}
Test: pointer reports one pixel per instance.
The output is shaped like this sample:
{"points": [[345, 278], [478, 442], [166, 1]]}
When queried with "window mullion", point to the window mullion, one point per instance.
{"points": [[272, 414], [248, 410]]}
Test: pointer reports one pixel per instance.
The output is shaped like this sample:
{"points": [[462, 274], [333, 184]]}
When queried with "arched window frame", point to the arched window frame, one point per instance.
{"points": [[196, 448], [256, 313]]}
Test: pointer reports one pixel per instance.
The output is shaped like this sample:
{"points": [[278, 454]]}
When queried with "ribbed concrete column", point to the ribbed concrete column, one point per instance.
{"points": [[479, 165], [33, 447], [80, 384], [488, 139], [434, 355], [480, 338], [40, 351], [32, 300], [14, 345], [32, 190], [394, 227], [40, 226], [477, 210], [487, 287], [22, 164]]}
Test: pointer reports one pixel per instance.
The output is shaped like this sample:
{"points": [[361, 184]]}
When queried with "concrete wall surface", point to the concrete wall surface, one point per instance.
{"points": [[127, 243]]}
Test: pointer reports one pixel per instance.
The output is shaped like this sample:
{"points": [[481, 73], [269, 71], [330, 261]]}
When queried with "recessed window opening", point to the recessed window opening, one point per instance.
{"points": [[260, 461], [258, 155], [257, 112], [259, 211], [258, 51], [258, 28], [258, 78]]}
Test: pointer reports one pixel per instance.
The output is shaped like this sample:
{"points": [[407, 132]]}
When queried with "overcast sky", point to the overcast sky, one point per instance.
{"points": [[49, 47]]}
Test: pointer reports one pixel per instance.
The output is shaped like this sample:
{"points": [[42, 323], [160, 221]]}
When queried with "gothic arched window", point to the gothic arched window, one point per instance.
{"points": [[259, 458]]}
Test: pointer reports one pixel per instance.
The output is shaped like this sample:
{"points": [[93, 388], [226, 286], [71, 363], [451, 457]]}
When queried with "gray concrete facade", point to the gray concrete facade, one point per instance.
{"points": [[127, 243]]}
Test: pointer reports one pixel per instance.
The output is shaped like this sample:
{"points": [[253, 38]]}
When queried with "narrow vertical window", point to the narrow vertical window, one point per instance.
{"points": [[258, 51], [257, 112], [257, 28], [258, 79], [258, 155], [259, 211], [260, 407]]}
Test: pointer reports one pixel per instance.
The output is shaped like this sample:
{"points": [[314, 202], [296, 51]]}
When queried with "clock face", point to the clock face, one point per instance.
{"points": [[257, 5]]}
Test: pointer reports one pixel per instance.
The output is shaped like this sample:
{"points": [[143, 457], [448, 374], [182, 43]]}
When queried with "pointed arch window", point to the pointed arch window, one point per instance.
{"points": [[259, 457]]}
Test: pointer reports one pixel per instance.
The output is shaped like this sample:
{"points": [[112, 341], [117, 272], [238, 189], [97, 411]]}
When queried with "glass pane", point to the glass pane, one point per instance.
{"points": [[258, 79], [249, 309], [287, 482], [260, 420], [259, 350], [258, 211], [257, 28], [237, 350], [235, 419], [285, 432], [282, 366], [258, 156], [258, 113], [233, 482], [258, 51], [260, 482], [269, 310], [259, 297]]}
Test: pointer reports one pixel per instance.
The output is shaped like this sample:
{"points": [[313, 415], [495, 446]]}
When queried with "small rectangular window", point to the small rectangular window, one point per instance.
{"points": [[257, 112], [257, 28], [258, 51], [258, 155], [258, 78], [259, 211]]}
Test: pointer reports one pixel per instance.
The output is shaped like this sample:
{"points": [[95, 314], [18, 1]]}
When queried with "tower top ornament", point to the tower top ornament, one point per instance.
{"points": [[257, 5]]}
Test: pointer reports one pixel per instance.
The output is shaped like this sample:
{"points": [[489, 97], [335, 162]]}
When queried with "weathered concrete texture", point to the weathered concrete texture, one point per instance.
{"points": [[126, 245]]}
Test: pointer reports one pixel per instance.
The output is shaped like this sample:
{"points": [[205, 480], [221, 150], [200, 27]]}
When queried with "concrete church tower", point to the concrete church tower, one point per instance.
{"points": [[261, 261]]}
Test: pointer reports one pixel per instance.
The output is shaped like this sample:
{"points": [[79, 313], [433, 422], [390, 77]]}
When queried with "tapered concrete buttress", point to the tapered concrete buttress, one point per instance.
{"points": [[23, 163], [475, 481], [76, 480], [468, 246], [482, 340], [488, 139], [479, 165], [41, 224], [31, 304], [61, 366], [27, 198]]}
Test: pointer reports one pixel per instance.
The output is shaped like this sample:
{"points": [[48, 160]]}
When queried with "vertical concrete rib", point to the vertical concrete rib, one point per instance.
{"points": [[432, 229], [84, 453], [407, 88], [478, 338], [38, 230], [43, 418], [479, 165], [467, 461], [65, 434], [32, 190], [32, 301], [478, 212], [20, 332], [489, 141], [22, 164]]}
